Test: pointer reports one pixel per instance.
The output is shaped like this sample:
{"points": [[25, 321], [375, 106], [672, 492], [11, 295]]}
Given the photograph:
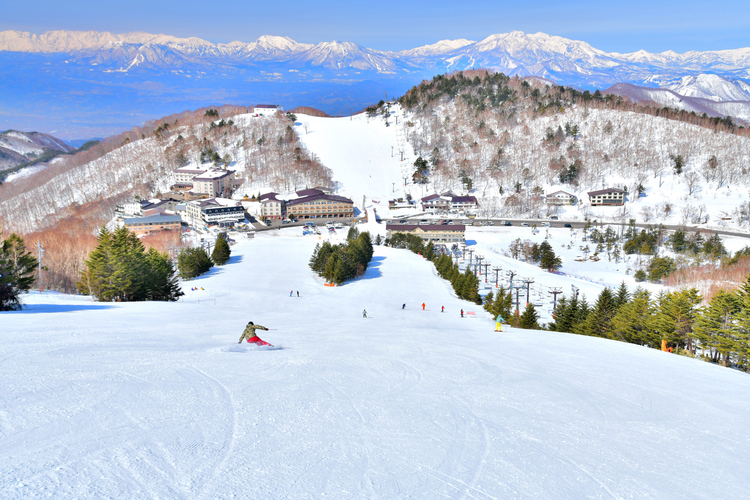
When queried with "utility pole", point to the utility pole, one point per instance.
{"points": [[471, 254], [479, 264], [497, 274], [40, 251], [486, 267], [517, 301], [528, 282], [555, 291], [510, 275]]}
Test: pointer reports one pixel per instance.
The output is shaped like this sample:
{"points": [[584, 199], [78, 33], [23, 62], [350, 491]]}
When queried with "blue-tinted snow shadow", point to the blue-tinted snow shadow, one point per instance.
{"points": [[233, 259], [373, 269], [216, 270], [471, 242], [57, 308]]}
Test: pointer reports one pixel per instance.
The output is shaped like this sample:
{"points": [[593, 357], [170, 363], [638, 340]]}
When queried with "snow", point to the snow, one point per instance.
{"points": [[156, 400], [362, 152]]}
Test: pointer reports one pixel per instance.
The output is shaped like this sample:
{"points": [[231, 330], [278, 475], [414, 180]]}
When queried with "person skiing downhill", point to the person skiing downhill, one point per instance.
{"points": [[364, 313], [403, 306], [423, 306], [251, 336], [442, 309], [462, 313]]}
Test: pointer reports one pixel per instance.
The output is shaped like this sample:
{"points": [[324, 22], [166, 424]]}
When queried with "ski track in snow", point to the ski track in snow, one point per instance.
{"points": [[156, 400]]}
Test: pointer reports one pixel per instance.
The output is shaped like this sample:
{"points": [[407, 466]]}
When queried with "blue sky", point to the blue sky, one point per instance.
{"points": [[395, 25]]}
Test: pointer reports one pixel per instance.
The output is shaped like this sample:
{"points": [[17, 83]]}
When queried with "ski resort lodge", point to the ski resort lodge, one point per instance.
{"points": [[315, 203], [206, 212], [266, 109], [436, 233], [607, 197], [148, 225], [449, 201], [561, 198]]}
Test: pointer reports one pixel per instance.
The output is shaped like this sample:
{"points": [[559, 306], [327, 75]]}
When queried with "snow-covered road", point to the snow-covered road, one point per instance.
{"points": [[157, 400]]}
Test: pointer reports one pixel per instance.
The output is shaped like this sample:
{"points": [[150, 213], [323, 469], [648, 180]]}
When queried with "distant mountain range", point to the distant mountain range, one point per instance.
{"points": [[135, 76], [17, 148]]}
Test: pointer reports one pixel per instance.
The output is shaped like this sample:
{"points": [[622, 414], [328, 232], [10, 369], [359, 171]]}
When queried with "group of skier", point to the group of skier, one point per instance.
{"points": [[252, 337]]}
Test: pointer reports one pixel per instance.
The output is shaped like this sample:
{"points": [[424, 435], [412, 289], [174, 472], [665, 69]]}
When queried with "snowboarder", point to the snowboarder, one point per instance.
{"points": [[251, 336], [423, 306], [442, 309], [364, 313], [499, 323], [462, 313], [403, 306]]}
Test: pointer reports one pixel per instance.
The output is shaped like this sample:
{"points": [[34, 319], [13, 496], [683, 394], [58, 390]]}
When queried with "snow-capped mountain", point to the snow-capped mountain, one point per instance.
{"points": [[563, 60], [738, 109], [20, 147], [167, 74], [712, 87]]}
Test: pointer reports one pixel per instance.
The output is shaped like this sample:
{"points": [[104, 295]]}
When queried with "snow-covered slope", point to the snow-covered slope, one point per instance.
{"points": [[157, 400], [363, 153], [712, 87], [673, 99], [19, 147]]}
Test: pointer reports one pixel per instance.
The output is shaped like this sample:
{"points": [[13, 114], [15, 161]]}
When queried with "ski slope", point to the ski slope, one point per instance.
{"points": [[363, 153], [157, 400]]}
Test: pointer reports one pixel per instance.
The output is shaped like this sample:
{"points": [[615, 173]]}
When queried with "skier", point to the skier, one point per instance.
{"points": [[462, 313], [251, 336], [423, 306], [291, 292], [297, 293], [499, 323], [442, 309], [364, 313], [403, 306]]}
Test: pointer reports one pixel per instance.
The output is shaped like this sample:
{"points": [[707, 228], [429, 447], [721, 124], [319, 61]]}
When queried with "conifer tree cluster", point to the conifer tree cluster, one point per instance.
{"points": [[120, 268], [192, 262], [221, 252], [343, 262], [718, 332], [499, 304], [465, 284], [16, 271]]}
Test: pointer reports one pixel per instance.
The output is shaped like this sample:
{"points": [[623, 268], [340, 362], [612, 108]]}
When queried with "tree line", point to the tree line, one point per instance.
{"points": [[718, 331]]}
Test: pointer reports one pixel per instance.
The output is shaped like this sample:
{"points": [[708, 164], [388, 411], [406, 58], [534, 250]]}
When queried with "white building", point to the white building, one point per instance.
{"points": [[207, 212], [607, 197], [561, 198], [214, 182], [266, 109]]}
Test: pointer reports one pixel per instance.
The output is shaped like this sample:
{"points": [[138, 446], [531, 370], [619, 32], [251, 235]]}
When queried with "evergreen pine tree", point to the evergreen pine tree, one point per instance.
{"points": [[675, 316], [17, 268], [529, 318], [622, 296], [633, 321], [221, 252], [192, 262], [600, 319], [716, 328]]}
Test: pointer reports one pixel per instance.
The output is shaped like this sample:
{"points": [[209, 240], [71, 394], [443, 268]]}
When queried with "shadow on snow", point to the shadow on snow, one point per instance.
{"points": [[57, 308]]}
